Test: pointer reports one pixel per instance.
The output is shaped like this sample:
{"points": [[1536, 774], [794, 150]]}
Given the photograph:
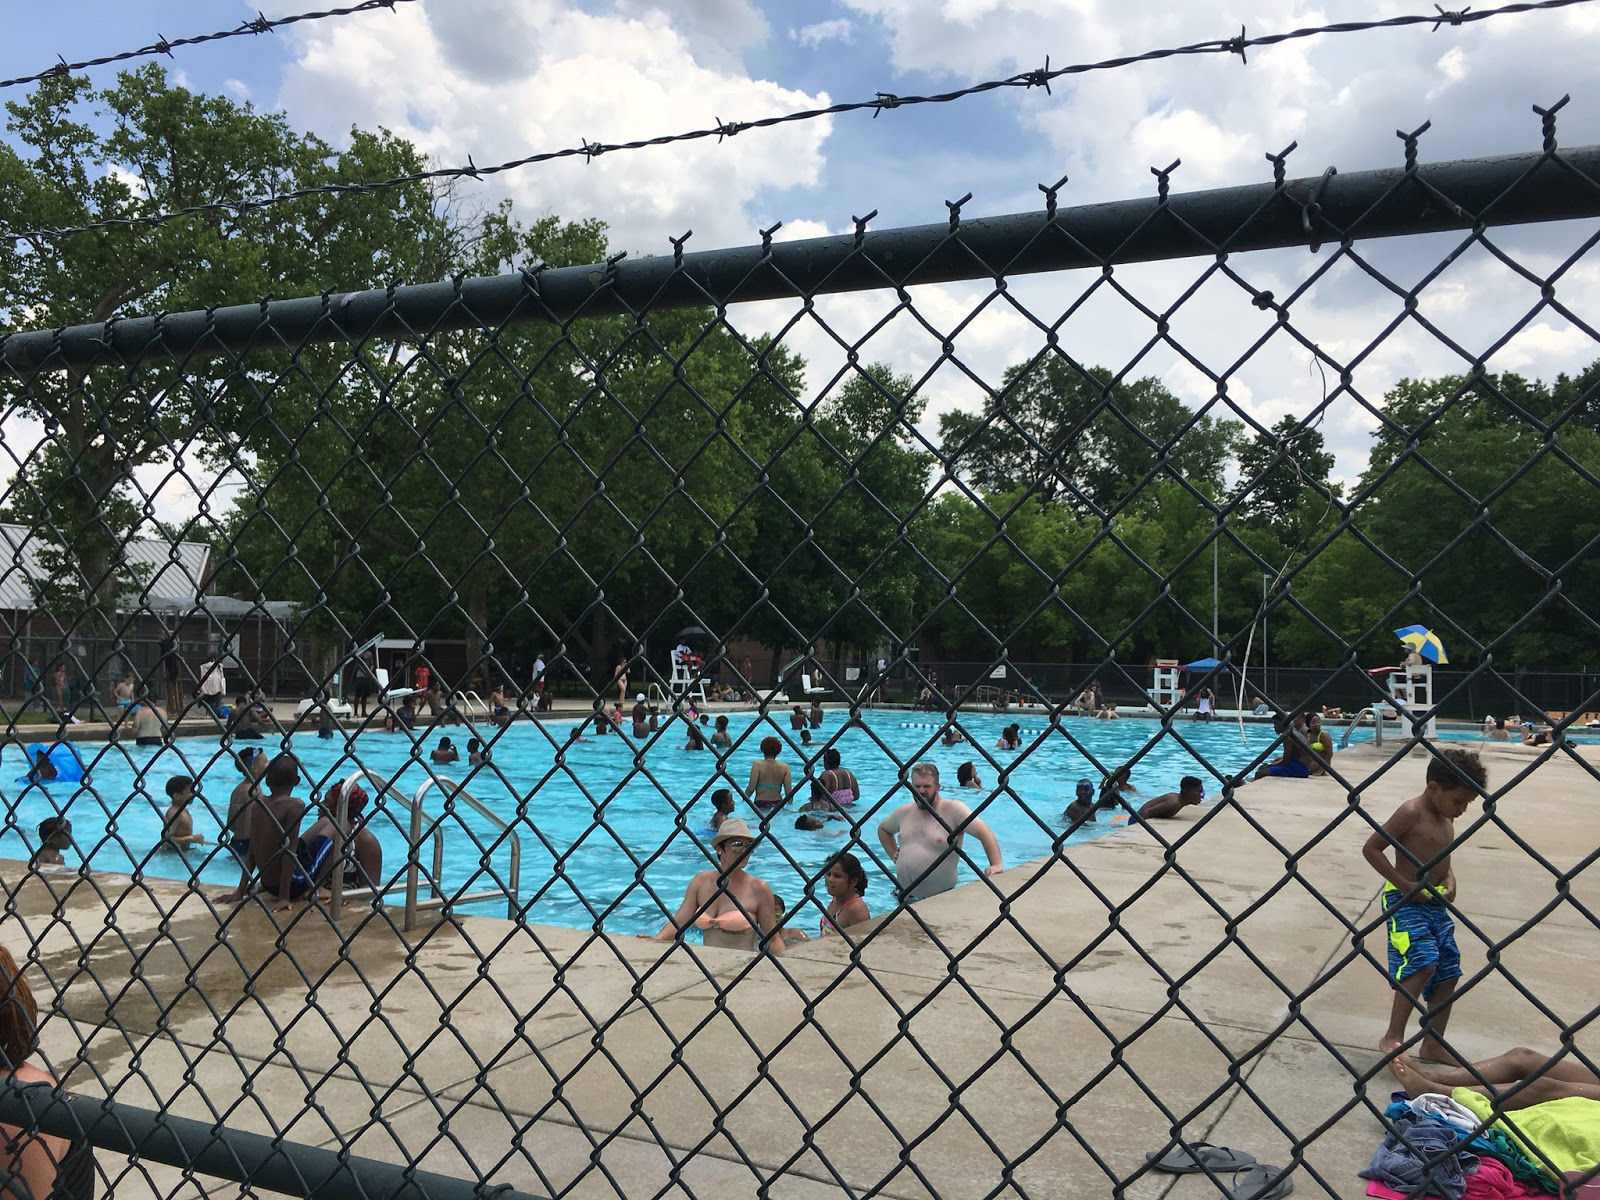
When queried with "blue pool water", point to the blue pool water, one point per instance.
{"points": [[606, 841]]}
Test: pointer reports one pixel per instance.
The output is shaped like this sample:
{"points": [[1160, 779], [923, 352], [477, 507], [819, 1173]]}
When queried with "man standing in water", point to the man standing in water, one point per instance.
{"points": [[924, 838]]}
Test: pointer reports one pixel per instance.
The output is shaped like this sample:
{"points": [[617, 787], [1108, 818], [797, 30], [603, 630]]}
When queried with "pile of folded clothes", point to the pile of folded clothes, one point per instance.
{"points": [[1447, 1147]]}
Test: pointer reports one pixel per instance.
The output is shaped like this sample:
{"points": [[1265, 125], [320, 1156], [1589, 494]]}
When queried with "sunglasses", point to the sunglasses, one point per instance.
{"points": [[737, 844]]}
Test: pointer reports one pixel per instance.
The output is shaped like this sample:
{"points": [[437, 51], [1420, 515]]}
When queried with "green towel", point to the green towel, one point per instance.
{"points": [[1565, 1133]]}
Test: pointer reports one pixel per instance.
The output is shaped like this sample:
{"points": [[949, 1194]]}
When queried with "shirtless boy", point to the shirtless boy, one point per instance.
{"points": [[275, 830], [177, 824], [1417, 890], [1190, 791], [236, 833], [920, 837]]}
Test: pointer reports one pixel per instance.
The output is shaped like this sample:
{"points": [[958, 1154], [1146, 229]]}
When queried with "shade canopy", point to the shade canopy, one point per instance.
{"points": [[1425, 642]]}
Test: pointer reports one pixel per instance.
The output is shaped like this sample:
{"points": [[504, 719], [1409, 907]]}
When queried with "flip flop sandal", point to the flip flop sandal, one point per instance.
{"points": [[1198, 1157], [1261, 1182]]}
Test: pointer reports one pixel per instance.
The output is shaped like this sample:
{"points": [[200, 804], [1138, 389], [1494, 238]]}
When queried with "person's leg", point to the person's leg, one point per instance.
{"points": [[1447, 969], [1515, 1064], [1406, 995], [1421, 1081], [1434, 1021]]}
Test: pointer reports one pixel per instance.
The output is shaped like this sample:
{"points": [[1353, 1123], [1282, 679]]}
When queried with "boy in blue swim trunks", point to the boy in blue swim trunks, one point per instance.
{"points": [[1418, 888]]}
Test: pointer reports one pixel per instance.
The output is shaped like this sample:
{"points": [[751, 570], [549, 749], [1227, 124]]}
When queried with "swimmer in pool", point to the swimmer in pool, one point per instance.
{"points": [[924, 837], [728, 904]]}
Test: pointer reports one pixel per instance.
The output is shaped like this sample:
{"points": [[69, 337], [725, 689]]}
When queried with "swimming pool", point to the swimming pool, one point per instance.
{"points": [[610, 837]]}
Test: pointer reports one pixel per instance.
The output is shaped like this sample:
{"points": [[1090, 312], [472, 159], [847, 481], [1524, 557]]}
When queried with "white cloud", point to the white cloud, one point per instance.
{"points": [[237, 88], [812, 36], [502, 82]]}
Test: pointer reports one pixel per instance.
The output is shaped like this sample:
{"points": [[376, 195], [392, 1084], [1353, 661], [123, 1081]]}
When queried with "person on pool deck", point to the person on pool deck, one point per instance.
{"points": [[177, 824], [731, 906], [1418, 887], [275, 832], [1297, 761], [1190, 791], [445, 752], [924, 838], [1519, 1078], [967, 776], [771, 785], [236, 831], [1205, 704], [1320, 742], [364, 860], [36, 1164]]}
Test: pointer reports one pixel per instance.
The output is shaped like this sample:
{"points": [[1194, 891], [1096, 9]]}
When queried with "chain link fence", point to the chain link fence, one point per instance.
{"points": [[635, 535]]}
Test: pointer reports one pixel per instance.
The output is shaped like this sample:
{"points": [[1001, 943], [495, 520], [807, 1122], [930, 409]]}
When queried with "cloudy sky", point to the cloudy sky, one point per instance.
{"points": [[500, 79]]}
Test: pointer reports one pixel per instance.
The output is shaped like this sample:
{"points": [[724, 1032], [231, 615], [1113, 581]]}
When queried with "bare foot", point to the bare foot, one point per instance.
{"points": [[1412, 1080], [1388, 1044]]}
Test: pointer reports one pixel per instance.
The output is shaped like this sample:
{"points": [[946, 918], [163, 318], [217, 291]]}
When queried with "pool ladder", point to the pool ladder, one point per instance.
{"points": [[415, 902]]}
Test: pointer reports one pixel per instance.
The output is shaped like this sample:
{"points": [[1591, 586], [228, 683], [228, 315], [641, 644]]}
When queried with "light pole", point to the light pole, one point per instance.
{"points": [[1216, 644], [1265, 580]]}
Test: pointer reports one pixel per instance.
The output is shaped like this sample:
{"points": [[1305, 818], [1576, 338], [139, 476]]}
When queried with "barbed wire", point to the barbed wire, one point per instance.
{"points": [[261, 24], [882, 102]]}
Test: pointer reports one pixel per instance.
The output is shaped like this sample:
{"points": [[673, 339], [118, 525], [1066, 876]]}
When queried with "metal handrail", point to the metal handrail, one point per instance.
{"points": [[1376, 713], [473, 698], [413, 865]]}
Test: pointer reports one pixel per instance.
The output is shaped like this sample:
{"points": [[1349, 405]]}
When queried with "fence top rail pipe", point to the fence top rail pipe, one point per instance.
{"points": [[256, 1160], [1425, 198]]}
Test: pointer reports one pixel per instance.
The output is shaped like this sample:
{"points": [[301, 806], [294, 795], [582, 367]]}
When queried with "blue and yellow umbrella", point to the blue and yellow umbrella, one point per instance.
{"points": [[1425, 642]]}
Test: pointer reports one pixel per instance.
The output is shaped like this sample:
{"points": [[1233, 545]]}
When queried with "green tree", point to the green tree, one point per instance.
{"points": [[1079, 436], [124, 154]]}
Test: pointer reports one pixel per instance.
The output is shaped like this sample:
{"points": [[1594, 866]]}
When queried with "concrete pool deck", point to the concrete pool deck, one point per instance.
{"points": [[959, 1060]]}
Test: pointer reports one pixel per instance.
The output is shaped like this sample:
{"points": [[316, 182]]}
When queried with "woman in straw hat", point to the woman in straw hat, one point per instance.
{"points": [[729, 905]]}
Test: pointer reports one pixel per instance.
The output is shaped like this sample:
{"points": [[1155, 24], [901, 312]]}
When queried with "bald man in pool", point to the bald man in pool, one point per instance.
{"points": [[924, 838]]}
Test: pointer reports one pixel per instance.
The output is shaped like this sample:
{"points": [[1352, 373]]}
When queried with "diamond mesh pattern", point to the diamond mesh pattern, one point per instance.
{"points": [[454, 485]]}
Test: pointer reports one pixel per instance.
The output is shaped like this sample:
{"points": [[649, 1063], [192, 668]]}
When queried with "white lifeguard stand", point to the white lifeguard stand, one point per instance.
{"points": [[1164, 689], [686, 681], [1412, 687]]}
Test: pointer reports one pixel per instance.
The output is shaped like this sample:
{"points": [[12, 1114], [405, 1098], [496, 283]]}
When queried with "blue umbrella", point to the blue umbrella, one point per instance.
{"points": [[1203, 664]]}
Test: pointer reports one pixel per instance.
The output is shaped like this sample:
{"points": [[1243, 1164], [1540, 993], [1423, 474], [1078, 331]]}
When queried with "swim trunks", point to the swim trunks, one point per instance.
{"points": [[1421, 935], [147, 741], [1293, 769], [239, 847]]}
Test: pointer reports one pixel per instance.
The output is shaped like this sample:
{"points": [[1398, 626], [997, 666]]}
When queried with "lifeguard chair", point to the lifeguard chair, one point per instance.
{"points": [[687, 681], [1164, 689], [1411, 687]]}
